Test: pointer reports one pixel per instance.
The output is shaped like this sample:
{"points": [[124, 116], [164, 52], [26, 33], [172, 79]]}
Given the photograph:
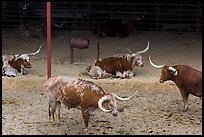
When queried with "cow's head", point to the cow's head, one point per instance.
{"points": [[137, 58], [167, 72], [107, 103], [20, 62], [24, 59]]}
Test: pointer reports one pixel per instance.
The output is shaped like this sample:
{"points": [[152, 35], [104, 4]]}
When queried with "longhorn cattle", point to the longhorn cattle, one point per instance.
{"points": [[127, 27], [120, 65], [34, 29], [103, 29], [121, 28], [14, 64], [79, 93], [187, 79]]}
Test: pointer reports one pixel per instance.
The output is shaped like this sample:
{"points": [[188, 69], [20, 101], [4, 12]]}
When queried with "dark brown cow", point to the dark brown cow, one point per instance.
{"points": [[120, 28], [34, 29], [103, 29], [127, 27], [120, 65], [78, 93], [186, 78]]}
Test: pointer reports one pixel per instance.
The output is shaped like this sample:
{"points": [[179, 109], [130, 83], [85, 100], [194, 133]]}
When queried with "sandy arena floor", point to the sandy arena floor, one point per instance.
{"points": [[155, 110]]}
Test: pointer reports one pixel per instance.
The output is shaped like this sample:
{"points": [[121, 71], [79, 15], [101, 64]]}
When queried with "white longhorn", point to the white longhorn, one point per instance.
{"points": [[145, 50], [26, 56], [156, 66], [124, 99], [108, 97], [34, 53], [101, 100]]}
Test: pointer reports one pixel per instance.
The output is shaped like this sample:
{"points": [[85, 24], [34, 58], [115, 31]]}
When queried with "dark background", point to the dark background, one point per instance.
{"points": [[160, 15]]}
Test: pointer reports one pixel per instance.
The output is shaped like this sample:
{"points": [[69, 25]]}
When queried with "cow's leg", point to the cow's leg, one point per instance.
{"points": [[58, 105], [86, 118], [23, 71], [185, 100], [52, 108], [51, 114]]}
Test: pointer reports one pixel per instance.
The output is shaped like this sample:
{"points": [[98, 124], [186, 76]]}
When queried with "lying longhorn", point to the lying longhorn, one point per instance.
{"points": [[13, 64], [78, 93], [115, 27], [120, 65], [186, 78], [34, 29]]}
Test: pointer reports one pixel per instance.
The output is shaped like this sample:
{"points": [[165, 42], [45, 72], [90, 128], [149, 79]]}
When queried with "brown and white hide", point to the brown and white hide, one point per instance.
{"points": [[16, 63], [120, 65], [79, 93]]}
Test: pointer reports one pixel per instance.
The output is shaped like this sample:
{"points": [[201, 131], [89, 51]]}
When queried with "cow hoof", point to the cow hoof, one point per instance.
{"points": [[11, 76], [185, 109], [85, 131], [24, 72]]}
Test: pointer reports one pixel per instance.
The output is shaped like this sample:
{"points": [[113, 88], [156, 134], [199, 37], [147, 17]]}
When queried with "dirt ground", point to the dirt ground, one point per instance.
{"points": [[155, 110]]}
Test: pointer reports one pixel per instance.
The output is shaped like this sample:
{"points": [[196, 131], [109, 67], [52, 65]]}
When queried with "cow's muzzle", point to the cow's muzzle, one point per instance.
{"points": [[142, 65], [114, 113], [29, 66], [161, 81]]}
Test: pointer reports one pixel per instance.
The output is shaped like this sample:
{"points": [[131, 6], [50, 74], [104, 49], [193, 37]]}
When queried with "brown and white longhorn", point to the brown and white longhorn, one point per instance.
{"points": [[120, 65], [79, 93], [13, 64]]}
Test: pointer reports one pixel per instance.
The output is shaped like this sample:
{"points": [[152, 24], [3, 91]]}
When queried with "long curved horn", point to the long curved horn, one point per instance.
{"points": [[129, 50], [173, 70], [156, 66], [16, 56], [145, 50], [59, 26], [31, 54], [139, 18], [101, 100], [124, 99], [22, 56]]}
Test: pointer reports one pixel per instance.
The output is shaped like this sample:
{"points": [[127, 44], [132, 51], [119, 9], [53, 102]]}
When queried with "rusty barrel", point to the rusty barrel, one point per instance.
{"points": [[79, 43]]}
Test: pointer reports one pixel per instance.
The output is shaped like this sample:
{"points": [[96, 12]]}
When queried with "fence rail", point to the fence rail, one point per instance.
{"points": [[158, 16]]}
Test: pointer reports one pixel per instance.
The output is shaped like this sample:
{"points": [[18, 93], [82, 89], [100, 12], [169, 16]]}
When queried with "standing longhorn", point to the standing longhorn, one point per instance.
{"points": [[78, 93], [186, 78]]}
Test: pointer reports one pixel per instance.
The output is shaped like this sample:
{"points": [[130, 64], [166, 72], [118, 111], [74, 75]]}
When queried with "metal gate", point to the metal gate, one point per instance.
{"points": [[158, 16]]}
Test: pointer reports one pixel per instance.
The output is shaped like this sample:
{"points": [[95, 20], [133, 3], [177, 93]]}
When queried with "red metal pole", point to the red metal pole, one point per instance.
{"points": [[48, 40]]}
